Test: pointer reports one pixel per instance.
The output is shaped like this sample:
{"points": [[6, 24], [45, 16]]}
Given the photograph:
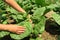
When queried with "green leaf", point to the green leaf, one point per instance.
{"points": [[4, 15], [25, 34], [2, 4], [20, 17], [45, 2], [11, 10], [56, 17], [40, 26], [52, 6], [3, 33], [39, 38], [5, 22], [19, 1], [32, 39], [38, 13], [14, 17]]}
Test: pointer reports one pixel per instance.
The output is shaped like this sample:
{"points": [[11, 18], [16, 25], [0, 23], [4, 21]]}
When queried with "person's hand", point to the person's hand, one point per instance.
{"points": [[15, 5], [15, 29]]}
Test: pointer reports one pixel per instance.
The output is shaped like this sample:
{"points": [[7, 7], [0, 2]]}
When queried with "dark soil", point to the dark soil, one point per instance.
{"points": [[48, 36], [51, 31]]}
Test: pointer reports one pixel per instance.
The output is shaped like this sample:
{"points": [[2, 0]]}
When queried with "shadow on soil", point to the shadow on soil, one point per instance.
{"points": [[53, 29]]}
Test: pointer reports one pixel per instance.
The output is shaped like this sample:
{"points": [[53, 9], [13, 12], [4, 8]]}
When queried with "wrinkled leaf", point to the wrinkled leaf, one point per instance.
{"points": [[3, 33], [38, 13], [56, 17], [40, 26], [25, 34]]}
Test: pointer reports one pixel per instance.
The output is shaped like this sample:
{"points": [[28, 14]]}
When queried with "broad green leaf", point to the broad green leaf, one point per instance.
{"points": [[38, 13], [3, 33], [58, 3], [52, 6], [25, 34], [40, 26], [56, 17]]}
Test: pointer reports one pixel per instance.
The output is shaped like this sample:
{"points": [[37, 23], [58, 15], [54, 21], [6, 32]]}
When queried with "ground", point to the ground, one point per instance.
{"points": [[51, 32]]}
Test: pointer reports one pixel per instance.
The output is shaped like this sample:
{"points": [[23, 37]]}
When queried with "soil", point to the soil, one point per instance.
{"points": [[51, 32], [48, 36]]}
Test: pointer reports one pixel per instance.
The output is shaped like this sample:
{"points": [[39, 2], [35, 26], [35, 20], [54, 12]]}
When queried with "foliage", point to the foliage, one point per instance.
{"points": [[26, 33], [37, 9]]}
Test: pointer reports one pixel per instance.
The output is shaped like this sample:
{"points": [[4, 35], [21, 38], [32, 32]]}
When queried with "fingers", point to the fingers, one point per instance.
{"points": [[21, 27], [20, 30], [16, 29]]}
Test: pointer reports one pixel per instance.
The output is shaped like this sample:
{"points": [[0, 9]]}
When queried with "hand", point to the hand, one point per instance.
{"points": [[15, 29], [14, 4]]}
